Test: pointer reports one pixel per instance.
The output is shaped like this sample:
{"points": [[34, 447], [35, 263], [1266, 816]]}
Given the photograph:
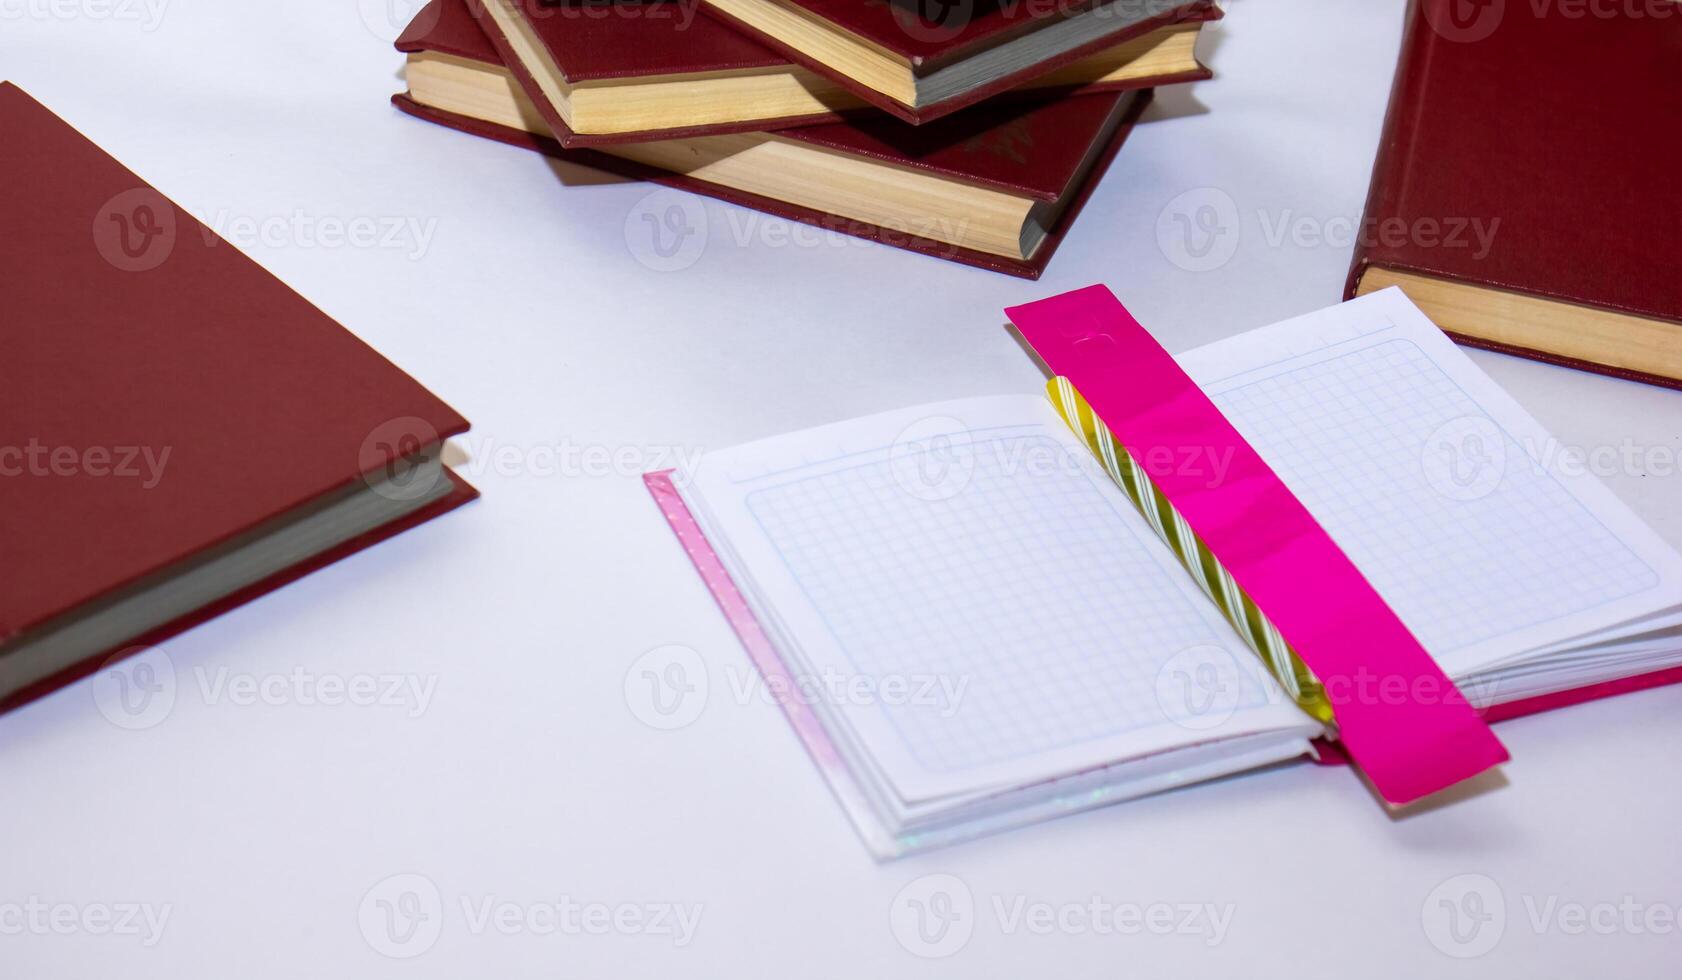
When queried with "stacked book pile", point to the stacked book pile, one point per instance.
{"points": [[972, 131]]}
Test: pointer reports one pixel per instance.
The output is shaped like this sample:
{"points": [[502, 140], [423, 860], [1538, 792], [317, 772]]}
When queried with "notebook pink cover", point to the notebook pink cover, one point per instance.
{"points": [[778, 678]]}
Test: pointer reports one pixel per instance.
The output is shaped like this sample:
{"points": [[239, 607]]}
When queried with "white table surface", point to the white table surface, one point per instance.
{"points": [[270, 832]]}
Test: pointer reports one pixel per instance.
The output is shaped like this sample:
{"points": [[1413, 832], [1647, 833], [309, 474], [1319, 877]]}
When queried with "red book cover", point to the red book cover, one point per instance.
{"points": [[1034, 151], [1563, 129], [589, 43], [163, 395], [959, 30], [596, 42], [1030, 150], [933, 36]]}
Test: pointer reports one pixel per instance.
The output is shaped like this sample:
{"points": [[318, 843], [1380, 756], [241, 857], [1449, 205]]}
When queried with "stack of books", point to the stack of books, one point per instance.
{"points": [[973, 131]]}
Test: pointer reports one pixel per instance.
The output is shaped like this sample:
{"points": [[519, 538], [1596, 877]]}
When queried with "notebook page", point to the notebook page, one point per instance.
{"points": [[972, 551], [1451, 499]]}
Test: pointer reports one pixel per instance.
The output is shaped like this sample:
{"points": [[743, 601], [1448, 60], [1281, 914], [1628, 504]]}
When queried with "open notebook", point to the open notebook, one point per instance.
{"points": [[982, 629]]}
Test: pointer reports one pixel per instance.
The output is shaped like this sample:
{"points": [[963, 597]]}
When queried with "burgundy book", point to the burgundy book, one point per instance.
{"points": [[1525, 193], [921, 60], [640, 70], [1047, 158], [183, 433]]}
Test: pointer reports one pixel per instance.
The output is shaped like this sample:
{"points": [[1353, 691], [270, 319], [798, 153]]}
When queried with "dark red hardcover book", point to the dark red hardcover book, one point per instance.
{"points": [[945, 46], [619, 44], [608, 42], [1525, 193], [588, 43], [167, 405], [1034, 151]]}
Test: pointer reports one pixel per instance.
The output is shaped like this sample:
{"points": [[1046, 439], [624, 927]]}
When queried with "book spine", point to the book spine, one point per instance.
{"points": [[1390, 167]]}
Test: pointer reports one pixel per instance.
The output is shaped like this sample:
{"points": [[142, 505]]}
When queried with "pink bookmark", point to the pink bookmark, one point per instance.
{"points": [[1409, 747]]}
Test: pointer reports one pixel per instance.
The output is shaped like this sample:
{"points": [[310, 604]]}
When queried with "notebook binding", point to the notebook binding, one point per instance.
{"points": [[1216, 582]]}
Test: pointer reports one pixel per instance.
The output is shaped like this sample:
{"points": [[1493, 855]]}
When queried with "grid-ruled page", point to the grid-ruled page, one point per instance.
{"points": [[1412, 479], [999, 572], [1445, 493], [1029, 589]]}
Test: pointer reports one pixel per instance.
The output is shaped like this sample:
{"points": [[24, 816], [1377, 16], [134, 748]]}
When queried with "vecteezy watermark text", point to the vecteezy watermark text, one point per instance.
{"points": [[1469, 457], [37, 459], [1201, 230], [35, 916], [139, 688], [565, 459], [1470, 21], [137, 230], [301, 229], [936, 458], [1468, 915], [146, 13], [669, 687], [936, 915], [1202, 687], [404, 915], [669, 231]]}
